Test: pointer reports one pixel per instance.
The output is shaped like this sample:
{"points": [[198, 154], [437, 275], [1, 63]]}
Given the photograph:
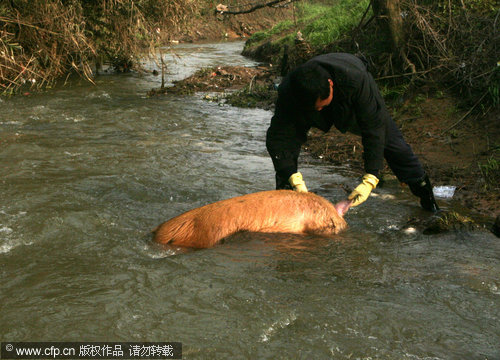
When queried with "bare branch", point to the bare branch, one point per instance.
{"points": [[222, 9]]}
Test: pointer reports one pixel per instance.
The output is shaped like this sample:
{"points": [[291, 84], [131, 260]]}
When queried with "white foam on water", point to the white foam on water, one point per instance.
{"points": [[410, 230], [99, 95], [156, 252], [277, 325], [383, 196], [9, 244], [75, 119], [71, 154], [5, 248], [494, 289], [5, 229]]}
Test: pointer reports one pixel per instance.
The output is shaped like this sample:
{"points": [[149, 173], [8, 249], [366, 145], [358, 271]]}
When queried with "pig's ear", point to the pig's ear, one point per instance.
{"points": [[343, 206]]}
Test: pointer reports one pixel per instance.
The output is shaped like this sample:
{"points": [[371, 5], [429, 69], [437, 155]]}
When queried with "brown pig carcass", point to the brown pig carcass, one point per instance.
{"points": [[275, 211]]}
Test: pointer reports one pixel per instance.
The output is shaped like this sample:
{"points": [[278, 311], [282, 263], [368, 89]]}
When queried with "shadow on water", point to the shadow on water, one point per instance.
{"points": [[88, 171]]}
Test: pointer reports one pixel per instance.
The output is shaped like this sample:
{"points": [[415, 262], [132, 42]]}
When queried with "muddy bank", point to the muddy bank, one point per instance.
{"points": [[451, 150], [212, 26], [234, 85]]}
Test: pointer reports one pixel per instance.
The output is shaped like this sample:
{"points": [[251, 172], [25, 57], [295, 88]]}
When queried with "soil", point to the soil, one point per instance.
{"points": [[451, 145], [216, 26]]}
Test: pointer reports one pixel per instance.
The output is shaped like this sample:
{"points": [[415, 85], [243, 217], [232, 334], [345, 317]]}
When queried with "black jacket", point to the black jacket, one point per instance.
{"points": [[357, 107]]}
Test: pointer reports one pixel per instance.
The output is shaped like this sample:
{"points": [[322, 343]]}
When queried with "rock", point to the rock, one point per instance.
{"points": [[221, 8], [443, 221]]}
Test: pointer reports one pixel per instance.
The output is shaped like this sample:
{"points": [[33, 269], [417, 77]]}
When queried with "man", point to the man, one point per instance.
{"points": [[336, 89]]}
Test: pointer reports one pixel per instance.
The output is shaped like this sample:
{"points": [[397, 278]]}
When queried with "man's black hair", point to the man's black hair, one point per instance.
{"points": [[309, 82]]}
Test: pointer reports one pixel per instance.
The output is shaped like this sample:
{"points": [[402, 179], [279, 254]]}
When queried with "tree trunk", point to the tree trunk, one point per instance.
{"points": [[388, 15]]}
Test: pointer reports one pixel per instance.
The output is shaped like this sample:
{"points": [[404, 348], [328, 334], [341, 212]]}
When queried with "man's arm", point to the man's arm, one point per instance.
{"points": [[370, 113], [284, 139]]}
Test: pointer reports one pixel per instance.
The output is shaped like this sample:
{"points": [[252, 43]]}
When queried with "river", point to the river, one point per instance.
{"points": [[87, 171]]}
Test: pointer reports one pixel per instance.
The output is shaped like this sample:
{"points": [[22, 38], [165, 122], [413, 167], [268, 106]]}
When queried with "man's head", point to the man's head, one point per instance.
{"points": [[312, 86]]}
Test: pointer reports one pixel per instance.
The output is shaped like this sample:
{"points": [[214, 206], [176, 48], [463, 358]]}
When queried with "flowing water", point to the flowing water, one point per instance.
{"points": [[87, 171]]}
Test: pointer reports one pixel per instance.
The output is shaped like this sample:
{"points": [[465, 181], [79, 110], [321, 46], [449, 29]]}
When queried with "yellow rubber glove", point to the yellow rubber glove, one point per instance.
{"points": [[297, 182], [363, 190]]}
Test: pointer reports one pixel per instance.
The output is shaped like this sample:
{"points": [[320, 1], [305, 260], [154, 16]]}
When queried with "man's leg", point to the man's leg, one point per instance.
{"points": [[407, 168]]}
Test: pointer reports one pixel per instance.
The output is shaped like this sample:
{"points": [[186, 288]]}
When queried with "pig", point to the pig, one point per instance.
{"points": [[274, 211]]}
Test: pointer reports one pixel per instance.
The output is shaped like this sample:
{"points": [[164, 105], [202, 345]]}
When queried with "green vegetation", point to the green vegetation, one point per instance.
{"points": [[491, 171], [494, 87], [319, 23], [326, 25]]}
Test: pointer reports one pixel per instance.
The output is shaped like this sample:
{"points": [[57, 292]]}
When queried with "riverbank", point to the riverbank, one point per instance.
{"points": [[454, 149], [42, 42]]}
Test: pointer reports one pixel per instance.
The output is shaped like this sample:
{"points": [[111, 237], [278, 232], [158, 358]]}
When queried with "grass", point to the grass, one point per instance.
{"points": [[490, 172], [331, 23], [393, 93], [320, 24]]}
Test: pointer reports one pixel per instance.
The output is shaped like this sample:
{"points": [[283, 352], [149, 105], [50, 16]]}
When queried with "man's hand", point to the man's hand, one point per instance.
{"points": [[363, 190], [297, 182]]}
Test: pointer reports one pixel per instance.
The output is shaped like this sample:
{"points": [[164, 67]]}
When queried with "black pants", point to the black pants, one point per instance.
{"points": [[400, 157]]}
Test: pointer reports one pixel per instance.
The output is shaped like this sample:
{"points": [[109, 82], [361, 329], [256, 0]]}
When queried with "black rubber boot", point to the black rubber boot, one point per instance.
{"points": [[423, 189]]}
